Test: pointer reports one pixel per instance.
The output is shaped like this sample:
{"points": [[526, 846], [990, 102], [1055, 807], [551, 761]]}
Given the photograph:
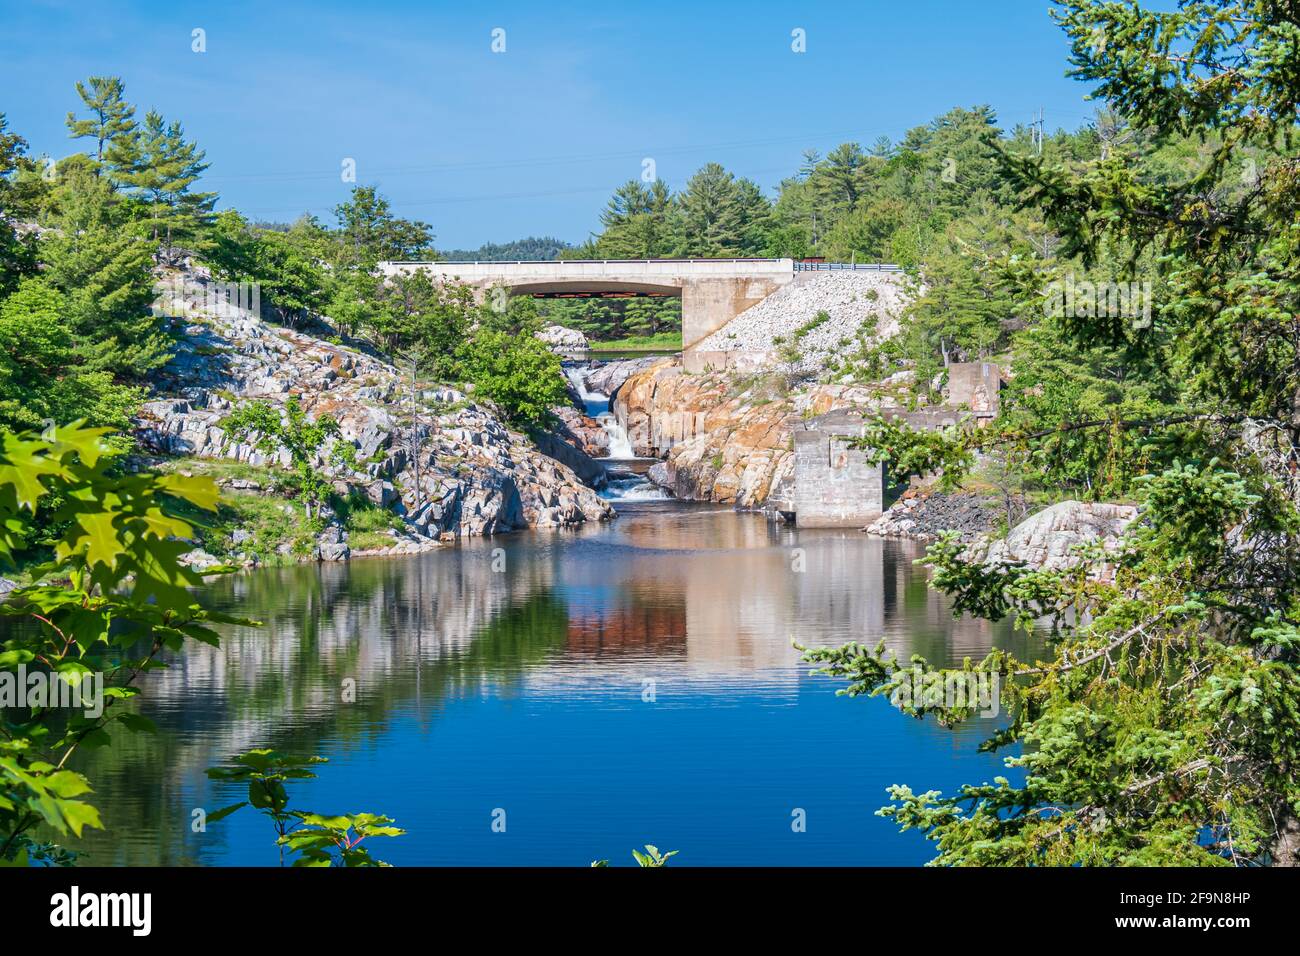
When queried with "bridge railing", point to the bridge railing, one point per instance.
{"points": [[850, 266], [552, 262]]}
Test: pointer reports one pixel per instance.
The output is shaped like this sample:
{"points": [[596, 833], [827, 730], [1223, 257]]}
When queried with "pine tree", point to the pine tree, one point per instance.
{"points": [[369, 232], [163, 166], [713, 214], [111, 120], [104, 272]]}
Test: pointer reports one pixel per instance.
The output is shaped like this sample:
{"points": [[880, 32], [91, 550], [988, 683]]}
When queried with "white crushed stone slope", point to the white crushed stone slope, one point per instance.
{"points": [[849, 297]]}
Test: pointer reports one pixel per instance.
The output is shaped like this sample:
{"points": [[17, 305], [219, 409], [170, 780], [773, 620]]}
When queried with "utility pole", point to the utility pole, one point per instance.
{"points": [[1036, 126]]}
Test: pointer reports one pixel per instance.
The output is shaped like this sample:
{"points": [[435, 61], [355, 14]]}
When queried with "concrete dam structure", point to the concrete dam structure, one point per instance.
{"points": [[713, 291]]}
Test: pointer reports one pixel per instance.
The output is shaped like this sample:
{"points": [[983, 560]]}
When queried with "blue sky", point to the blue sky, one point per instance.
{"points": [[494, 146]]}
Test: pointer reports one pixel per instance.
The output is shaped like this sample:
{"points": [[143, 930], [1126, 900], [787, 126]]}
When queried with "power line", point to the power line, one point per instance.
{"points": [[524, 163], [495, 197], [553, 160]]}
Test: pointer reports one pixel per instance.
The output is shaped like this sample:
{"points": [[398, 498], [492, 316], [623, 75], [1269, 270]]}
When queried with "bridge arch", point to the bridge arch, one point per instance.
{"points": [[713, 291]]}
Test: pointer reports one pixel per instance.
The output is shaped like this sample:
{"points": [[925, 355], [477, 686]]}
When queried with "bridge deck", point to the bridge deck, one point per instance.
{"points": [[676, 270]]}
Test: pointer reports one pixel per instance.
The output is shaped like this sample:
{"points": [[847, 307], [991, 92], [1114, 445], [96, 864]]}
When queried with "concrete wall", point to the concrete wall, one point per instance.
{"points": [[834, 485], [709, 304]]}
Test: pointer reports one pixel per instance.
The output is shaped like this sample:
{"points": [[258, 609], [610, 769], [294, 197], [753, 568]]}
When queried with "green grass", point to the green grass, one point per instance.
{"points": [[273, 520], [368, 524], [635, 343], [271, 523], [224, 470]]}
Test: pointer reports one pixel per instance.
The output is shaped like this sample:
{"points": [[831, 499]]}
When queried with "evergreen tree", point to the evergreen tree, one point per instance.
{"points": [[104, 273], [841, 179], [716, 213], [161, 166], [111, 122], [1163, 727], [639, 222], [369, 233]]}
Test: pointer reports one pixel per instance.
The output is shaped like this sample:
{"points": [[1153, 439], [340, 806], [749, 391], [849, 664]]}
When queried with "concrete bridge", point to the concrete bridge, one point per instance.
{"points": [[713, 291]]}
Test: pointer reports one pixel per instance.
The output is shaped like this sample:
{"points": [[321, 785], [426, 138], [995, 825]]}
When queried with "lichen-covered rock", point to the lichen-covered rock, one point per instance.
{"points": [[560, 339], [1049, 540]]}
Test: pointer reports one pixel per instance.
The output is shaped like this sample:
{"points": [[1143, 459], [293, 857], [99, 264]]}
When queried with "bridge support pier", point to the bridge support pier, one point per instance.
{"points": [[709, 304]]}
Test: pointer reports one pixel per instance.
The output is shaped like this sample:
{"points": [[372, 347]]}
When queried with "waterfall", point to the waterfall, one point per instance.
{"points": [[595, 403], [579, 382], [622, 485], [620, 449], [633, 488]]}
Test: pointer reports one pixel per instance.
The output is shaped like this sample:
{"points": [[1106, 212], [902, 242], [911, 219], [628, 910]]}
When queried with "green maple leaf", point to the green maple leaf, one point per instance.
{"points": [[22, 466]]}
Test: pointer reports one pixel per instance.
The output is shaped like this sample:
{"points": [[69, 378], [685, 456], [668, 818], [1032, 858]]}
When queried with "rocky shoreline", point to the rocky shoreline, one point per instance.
{"points": [[1048, 540], [924, 517]]}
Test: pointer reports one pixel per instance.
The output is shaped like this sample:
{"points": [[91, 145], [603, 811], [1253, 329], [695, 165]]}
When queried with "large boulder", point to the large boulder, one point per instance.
{"points": [[582, 431], [1049, 539], [565, 449], [722, 443], [332, 544], [607, 377], [560, 339]]}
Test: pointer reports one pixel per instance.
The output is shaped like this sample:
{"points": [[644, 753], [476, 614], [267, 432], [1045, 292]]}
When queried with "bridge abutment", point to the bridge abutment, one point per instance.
{"points": [[709, 304]]}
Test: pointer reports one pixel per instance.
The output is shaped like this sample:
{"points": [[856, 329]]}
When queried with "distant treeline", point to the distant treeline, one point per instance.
{"points": [[534, 248]]}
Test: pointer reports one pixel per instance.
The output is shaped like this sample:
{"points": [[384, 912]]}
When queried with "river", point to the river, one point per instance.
{"points": [[598, 689]]}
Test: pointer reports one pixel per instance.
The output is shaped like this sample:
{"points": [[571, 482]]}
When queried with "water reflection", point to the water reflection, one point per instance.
{"points": [[607, 687]]}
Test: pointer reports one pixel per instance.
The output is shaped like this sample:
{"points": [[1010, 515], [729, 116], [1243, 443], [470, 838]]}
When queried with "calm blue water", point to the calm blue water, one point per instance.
{"points": [[515, 674]]}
